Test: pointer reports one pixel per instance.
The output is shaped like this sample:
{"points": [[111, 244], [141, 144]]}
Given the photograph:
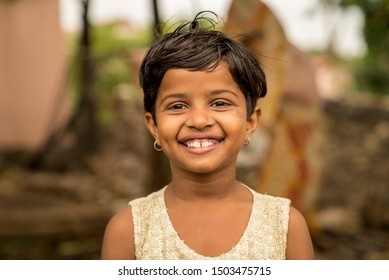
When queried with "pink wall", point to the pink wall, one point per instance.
{"points": [[32, 68]]}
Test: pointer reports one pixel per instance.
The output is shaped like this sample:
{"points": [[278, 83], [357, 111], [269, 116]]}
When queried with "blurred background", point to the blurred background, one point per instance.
{"points": [[74, 149]]}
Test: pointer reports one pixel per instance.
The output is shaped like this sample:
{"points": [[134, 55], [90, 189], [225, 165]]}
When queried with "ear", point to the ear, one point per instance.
{"points": [[252, 121], [151, 125]]}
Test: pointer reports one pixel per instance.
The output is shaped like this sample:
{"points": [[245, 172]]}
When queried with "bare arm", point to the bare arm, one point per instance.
{"points": [[299, 246], [118, 243]]}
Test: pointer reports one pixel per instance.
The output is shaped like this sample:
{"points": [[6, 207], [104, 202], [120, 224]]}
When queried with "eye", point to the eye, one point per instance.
{"points": [[177, 106], [220, 103]]}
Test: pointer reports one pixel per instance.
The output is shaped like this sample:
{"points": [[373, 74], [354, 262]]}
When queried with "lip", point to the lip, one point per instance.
{"points": [[202, 138]]}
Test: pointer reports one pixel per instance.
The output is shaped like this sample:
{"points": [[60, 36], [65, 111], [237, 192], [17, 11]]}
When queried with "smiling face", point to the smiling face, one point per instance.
{"points": [[201, 119]]}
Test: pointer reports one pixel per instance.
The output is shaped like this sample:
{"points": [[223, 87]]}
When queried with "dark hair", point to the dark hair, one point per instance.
{"points": [[195, 48]]}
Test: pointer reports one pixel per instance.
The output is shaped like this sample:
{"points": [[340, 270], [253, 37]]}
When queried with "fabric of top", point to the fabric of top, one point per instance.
{"points": [[265, 237]]}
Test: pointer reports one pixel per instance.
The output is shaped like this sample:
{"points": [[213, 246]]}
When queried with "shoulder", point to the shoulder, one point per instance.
{"points": [[299, 244], [278, 205], [146, 206], [126, 226], [149, 199], [270, 198], [118, 242]]}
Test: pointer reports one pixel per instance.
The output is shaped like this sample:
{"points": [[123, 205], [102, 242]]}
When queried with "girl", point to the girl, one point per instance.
{"points": [[200, 95]]}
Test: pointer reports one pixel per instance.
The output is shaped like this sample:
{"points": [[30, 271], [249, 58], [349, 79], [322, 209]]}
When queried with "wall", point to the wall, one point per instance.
{"points": [[32, 72]]}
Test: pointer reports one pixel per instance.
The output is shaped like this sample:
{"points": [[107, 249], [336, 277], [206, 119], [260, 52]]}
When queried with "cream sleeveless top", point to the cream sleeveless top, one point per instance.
{"points": [[263, 239]]}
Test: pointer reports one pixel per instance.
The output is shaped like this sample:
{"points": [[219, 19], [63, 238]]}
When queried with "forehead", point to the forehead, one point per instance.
{"points": [[186, 79]]}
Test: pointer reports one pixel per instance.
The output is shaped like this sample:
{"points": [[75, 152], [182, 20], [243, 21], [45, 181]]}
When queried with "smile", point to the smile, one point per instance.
{"points": [[203, 143]]}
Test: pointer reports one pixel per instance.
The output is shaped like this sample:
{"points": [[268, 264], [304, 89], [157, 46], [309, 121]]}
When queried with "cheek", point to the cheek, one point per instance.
{"points": [[240, 115], [167, 128], [236, 122]]}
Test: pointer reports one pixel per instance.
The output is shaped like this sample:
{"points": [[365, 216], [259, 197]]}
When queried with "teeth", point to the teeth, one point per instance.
{"points": [[200, 143]]}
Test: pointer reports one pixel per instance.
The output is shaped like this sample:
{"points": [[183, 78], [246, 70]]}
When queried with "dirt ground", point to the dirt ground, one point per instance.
{"points": [[59, 210]]}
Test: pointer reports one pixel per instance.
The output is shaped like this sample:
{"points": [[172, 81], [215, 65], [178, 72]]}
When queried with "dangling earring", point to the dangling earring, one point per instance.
{"points": [[157, 147], [247, 142]]}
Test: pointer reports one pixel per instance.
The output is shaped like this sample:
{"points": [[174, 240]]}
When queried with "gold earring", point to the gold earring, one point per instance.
{"points": [[157, 147], [247, 142]]}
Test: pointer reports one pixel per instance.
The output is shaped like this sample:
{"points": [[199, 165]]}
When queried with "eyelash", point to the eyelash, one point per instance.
{"points": [[181, 106], [220, 103], [177, 106]]}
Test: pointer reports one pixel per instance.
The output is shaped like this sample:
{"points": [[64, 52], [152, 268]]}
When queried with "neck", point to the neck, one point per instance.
{"points": [[203, 186]]}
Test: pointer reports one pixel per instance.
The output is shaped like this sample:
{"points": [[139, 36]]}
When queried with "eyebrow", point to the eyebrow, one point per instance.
{"points": [[173, 95], [220, 91]]}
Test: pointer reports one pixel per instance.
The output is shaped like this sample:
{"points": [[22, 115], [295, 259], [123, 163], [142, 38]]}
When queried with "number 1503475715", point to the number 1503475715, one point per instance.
{"points": [[241, 270]]}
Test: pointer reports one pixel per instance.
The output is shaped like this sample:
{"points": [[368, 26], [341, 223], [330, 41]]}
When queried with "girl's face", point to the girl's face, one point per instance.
{"points": [[202, 120]]}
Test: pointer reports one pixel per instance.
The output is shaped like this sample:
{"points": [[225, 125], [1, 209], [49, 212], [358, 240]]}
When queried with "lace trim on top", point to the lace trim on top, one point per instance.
{"points": [[264, 237]]}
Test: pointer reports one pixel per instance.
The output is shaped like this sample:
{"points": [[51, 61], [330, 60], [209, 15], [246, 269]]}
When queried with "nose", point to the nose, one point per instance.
{"points": [[199, 118]]}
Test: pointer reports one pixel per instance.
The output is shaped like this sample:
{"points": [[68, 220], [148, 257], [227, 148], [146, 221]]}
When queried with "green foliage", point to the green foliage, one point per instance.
{"points": [[111, 45], [118, 37], [370, 77], [373, 71]]}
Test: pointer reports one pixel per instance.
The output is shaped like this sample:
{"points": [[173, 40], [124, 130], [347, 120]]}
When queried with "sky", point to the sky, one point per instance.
{"points": [[305, 29]]}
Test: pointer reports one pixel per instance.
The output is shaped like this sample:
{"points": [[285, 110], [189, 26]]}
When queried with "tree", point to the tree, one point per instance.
{"points": [[373, 71], [86, 113]]}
